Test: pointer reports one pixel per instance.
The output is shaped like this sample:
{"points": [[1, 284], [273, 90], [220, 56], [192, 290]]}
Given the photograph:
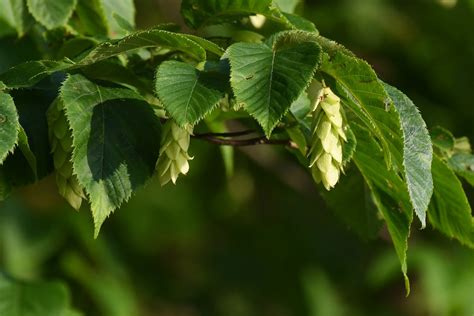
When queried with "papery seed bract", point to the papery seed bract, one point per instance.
{"points": [[326, 152]]}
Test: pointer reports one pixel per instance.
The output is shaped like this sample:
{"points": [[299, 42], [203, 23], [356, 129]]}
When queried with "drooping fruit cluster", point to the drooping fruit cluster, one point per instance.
{"points": [[60, 138], [328, 136], [174, 157]]}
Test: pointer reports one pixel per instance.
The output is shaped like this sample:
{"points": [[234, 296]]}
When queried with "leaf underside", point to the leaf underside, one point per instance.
{"points": [[417, 152]]}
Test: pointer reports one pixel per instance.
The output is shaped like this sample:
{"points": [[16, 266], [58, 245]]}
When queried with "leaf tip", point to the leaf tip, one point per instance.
{"points": [[99, 219]]}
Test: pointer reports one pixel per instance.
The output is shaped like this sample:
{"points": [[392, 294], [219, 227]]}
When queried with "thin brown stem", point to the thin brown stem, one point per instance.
{"points": [[213, 138], [225, 134]]}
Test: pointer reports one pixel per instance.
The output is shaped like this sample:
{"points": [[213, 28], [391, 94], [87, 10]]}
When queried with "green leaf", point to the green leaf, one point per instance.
{"points": [[125, 9], [207, 45], [449, 211], [33, 299], [299, 23], [9, 125], [124, 25], [105, 18], [356, 83], [463, 165], [31, 159], [92, 19], [143, 39], [198, 13], [187, 93], [112, 71], [116, 140], [75, 47], [51, 13], [388, 191], [352, 201], [417, 152], [32, 105], [268, 79], [30, 73], [288, 6], [442, 139], [7, 21], [349, 147], [15, 15], [14, 51], [25, 148]]}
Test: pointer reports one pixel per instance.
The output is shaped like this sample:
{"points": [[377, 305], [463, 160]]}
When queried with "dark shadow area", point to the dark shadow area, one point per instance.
{"points": [[124, 133]]}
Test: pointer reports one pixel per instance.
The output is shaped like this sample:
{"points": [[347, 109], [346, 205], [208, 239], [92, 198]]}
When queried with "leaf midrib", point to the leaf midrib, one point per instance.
{"points": [[188, 102], [270, 85]]}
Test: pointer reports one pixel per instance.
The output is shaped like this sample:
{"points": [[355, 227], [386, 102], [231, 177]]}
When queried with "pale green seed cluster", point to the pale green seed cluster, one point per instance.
{"points": [[61, 145], [328, 136], [174, 157]]}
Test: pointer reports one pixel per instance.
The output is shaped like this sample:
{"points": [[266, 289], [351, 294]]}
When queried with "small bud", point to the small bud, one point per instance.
{"points": [[174, 158], [325, 154]]}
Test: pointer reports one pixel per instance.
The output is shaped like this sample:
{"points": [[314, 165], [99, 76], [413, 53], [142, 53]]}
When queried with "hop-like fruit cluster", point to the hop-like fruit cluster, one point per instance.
{"points": [[61, 145], [174, 157], [328, 136]]}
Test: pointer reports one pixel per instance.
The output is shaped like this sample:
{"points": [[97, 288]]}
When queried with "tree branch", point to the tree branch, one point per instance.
{"points": [[216, 139], [226, 134]]}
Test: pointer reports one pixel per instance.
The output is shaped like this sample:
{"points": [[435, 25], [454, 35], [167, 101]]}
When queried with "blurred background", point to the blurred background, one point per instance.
{"points": [[261, 241]]}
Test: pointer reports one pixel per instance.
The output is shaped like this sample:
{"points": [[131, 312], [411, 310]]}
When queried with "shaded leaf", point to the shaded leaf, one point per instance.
{"points": [[34, 148], [449, 211], [9, 125], [388, 191], [92, 19], [203, 12], [352, 201], [116, 140], [30, 73], [25, 148]]}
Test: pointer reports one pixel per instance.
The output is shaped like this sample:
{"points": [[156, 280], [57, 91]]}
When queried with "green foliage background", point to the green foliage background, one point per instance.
{"points": [[261, 242]]}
